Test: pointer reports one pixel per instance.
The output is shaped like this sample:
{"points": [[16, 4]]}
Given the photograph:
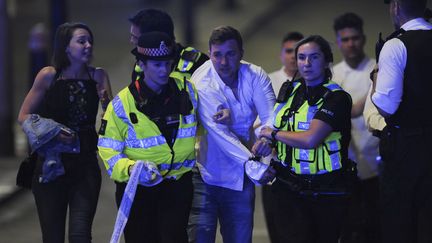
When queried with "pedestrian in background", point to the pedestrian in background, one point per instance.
{"points": [[64, 98], [352, 74]]}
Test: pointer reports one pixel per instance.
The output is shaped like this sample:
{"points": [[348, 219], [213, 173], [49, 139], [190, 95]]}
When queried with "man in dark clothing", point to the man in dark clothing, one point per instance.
{"points": [[401, 93]]}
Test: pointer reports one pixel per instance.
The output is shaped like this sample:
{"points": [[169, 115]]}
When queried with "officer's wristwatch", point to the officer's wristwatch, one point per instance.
{"points": [[273, 135]]}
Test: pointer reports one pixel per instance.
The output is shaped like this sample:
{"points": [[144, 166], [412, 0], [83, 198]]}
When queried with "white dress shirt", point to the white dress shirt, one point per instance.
{"points": [[363, 146], [223, 149], [392, 62]]}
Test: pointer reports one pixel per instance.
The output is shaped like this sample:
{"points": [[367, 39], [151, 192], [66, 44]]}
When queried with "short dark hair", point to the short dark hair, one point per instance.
{"points": [[223, 33], [413, 8], [292, 36], [151, 19], [324, 47], [348, 20], [62, 39]]}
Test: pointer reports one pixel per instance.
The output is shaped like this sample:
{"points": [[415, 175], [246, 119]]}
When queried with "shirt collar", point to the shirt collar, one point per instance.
{"points": [[414, 24]]}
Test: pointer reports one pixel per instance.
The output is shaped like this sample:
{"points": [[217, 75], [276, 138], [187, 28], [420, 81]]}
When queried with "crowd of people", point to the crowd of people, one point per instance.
{"points": [[339, 149]]}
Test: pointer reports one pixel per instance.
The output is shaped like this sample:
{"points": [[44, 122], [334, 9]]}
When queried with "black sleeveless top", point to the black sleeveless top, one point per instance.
{"points": [[74, 103]]}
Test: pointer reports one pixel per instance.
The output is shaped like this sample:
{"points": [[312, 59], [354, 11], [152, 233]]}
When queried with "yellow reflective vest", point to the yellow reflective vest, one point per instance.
{"points": [[327, 156], [125, 141]]}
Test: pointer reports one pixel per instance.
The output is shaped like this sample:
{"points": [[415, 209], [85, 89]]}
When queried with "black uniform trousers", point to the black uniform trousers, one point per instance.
{"points": [[406, 185], [308, 218], [159, 214]]}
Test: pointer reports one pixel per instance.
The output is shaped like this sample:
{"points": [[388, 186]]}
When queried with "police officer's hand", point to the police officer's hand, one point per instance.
{"points": [[262, 147], [222, 117]]}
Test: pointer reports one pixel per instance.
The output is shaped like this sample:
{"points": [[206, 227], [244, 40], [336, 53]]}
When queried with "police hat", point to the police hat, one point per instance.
{"points": [[154, 46]]}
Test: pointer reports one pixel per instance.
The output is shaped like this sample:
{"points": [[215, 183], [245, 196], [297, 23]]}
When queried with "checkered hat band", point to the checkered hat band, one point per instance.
{"points": [[154, 52]]}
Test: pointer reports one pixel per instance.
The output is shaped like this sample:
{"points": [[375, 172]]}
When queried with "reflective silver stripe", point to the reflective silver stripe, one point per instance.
{"points": [[311, 113], [186, 132], [333, 87], [304, 154], [185, 64], [112, 144], [304, 168], [111, 162], [146, 142], [276, 111], [334, 158], [333, 145], [189, 119], [192, 95], [189, 163], [121, 113]]}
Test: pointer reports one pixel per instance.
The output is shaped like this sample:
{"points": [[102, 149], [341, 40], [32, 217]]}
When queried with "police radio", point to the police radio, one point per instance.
{"points": [[185, 103], [285, 90]]}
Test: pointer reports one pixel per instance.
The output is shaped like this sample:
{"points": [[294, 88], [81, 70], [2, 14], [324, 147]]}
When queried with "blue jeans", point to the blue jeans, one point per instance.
{"points": [[234, 209]]}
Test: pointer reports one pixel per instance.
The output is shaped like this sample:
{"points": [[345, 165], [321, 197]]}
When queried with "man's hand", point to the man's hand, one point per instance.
{"points": [[262, 147], [266, 132], [222, 117]]}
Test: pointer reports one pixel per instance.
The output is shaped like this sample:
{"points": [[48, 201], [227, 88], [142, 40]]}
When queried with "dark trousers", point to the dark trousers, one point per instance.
{"points": [[308, 219], [406, 186], [270, 211], [159, 214], [77, 190], [363, 224]]}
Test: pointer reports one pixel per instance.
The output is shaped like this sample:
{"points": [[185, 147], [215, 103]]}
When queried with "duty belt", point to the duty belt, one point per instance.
{"points": [[329, 184]]}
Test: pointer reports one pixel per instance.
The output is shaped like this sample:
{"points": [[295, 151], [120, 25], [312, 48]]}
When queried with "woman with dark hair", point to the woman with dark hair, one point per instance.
{"points": [[58, 115], [311, 132]]}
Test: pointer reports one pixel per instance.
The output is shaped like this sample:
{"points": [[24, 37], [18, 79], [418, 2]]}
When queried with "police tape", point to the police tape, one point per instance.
{"points": [[126, 203]]}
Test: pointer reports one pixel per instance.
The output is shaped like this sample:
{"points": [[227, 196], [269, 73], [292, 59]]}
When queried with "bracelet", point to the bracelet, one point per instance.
{"points": [[273, 135], [255, 158]]}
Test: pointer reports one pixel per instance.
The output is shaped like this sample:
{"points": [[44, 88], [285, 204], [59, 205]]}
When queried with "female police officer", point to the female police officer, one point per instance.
{"points": [[153, 120], [312, 132]]}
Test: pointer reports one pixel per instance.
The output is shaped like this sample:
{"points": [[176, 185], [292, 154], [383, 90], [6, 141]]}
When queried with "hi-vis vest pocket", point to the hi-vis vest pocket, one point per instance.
{"points": [[189, 119], [304, 155], [332, 156]]}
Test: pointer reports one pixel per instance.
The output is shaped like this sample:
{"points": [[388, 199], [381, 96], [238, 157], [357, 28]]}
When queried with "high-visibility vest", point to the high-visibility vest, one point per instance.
{"points": [[327, 156], [126, 140]]}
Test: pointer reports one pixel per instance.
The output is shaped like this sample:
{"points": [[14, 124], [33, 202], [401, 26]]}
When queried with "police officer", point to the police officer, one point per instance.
{"points": [[401, 94], [153, 120], [187, 59], [311, 132]]}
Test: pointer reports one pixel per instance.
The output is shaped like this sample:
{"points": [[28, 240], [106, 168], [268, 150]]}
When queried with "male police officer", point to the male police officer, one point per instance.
{"points": [[402, 96]]}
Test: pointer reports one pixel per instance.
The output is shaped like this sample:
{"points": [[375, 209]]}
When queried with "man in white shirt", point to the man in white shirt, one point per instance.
{"points": [[352, 74], [231, 95], [402, 95], [287, 58]]}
